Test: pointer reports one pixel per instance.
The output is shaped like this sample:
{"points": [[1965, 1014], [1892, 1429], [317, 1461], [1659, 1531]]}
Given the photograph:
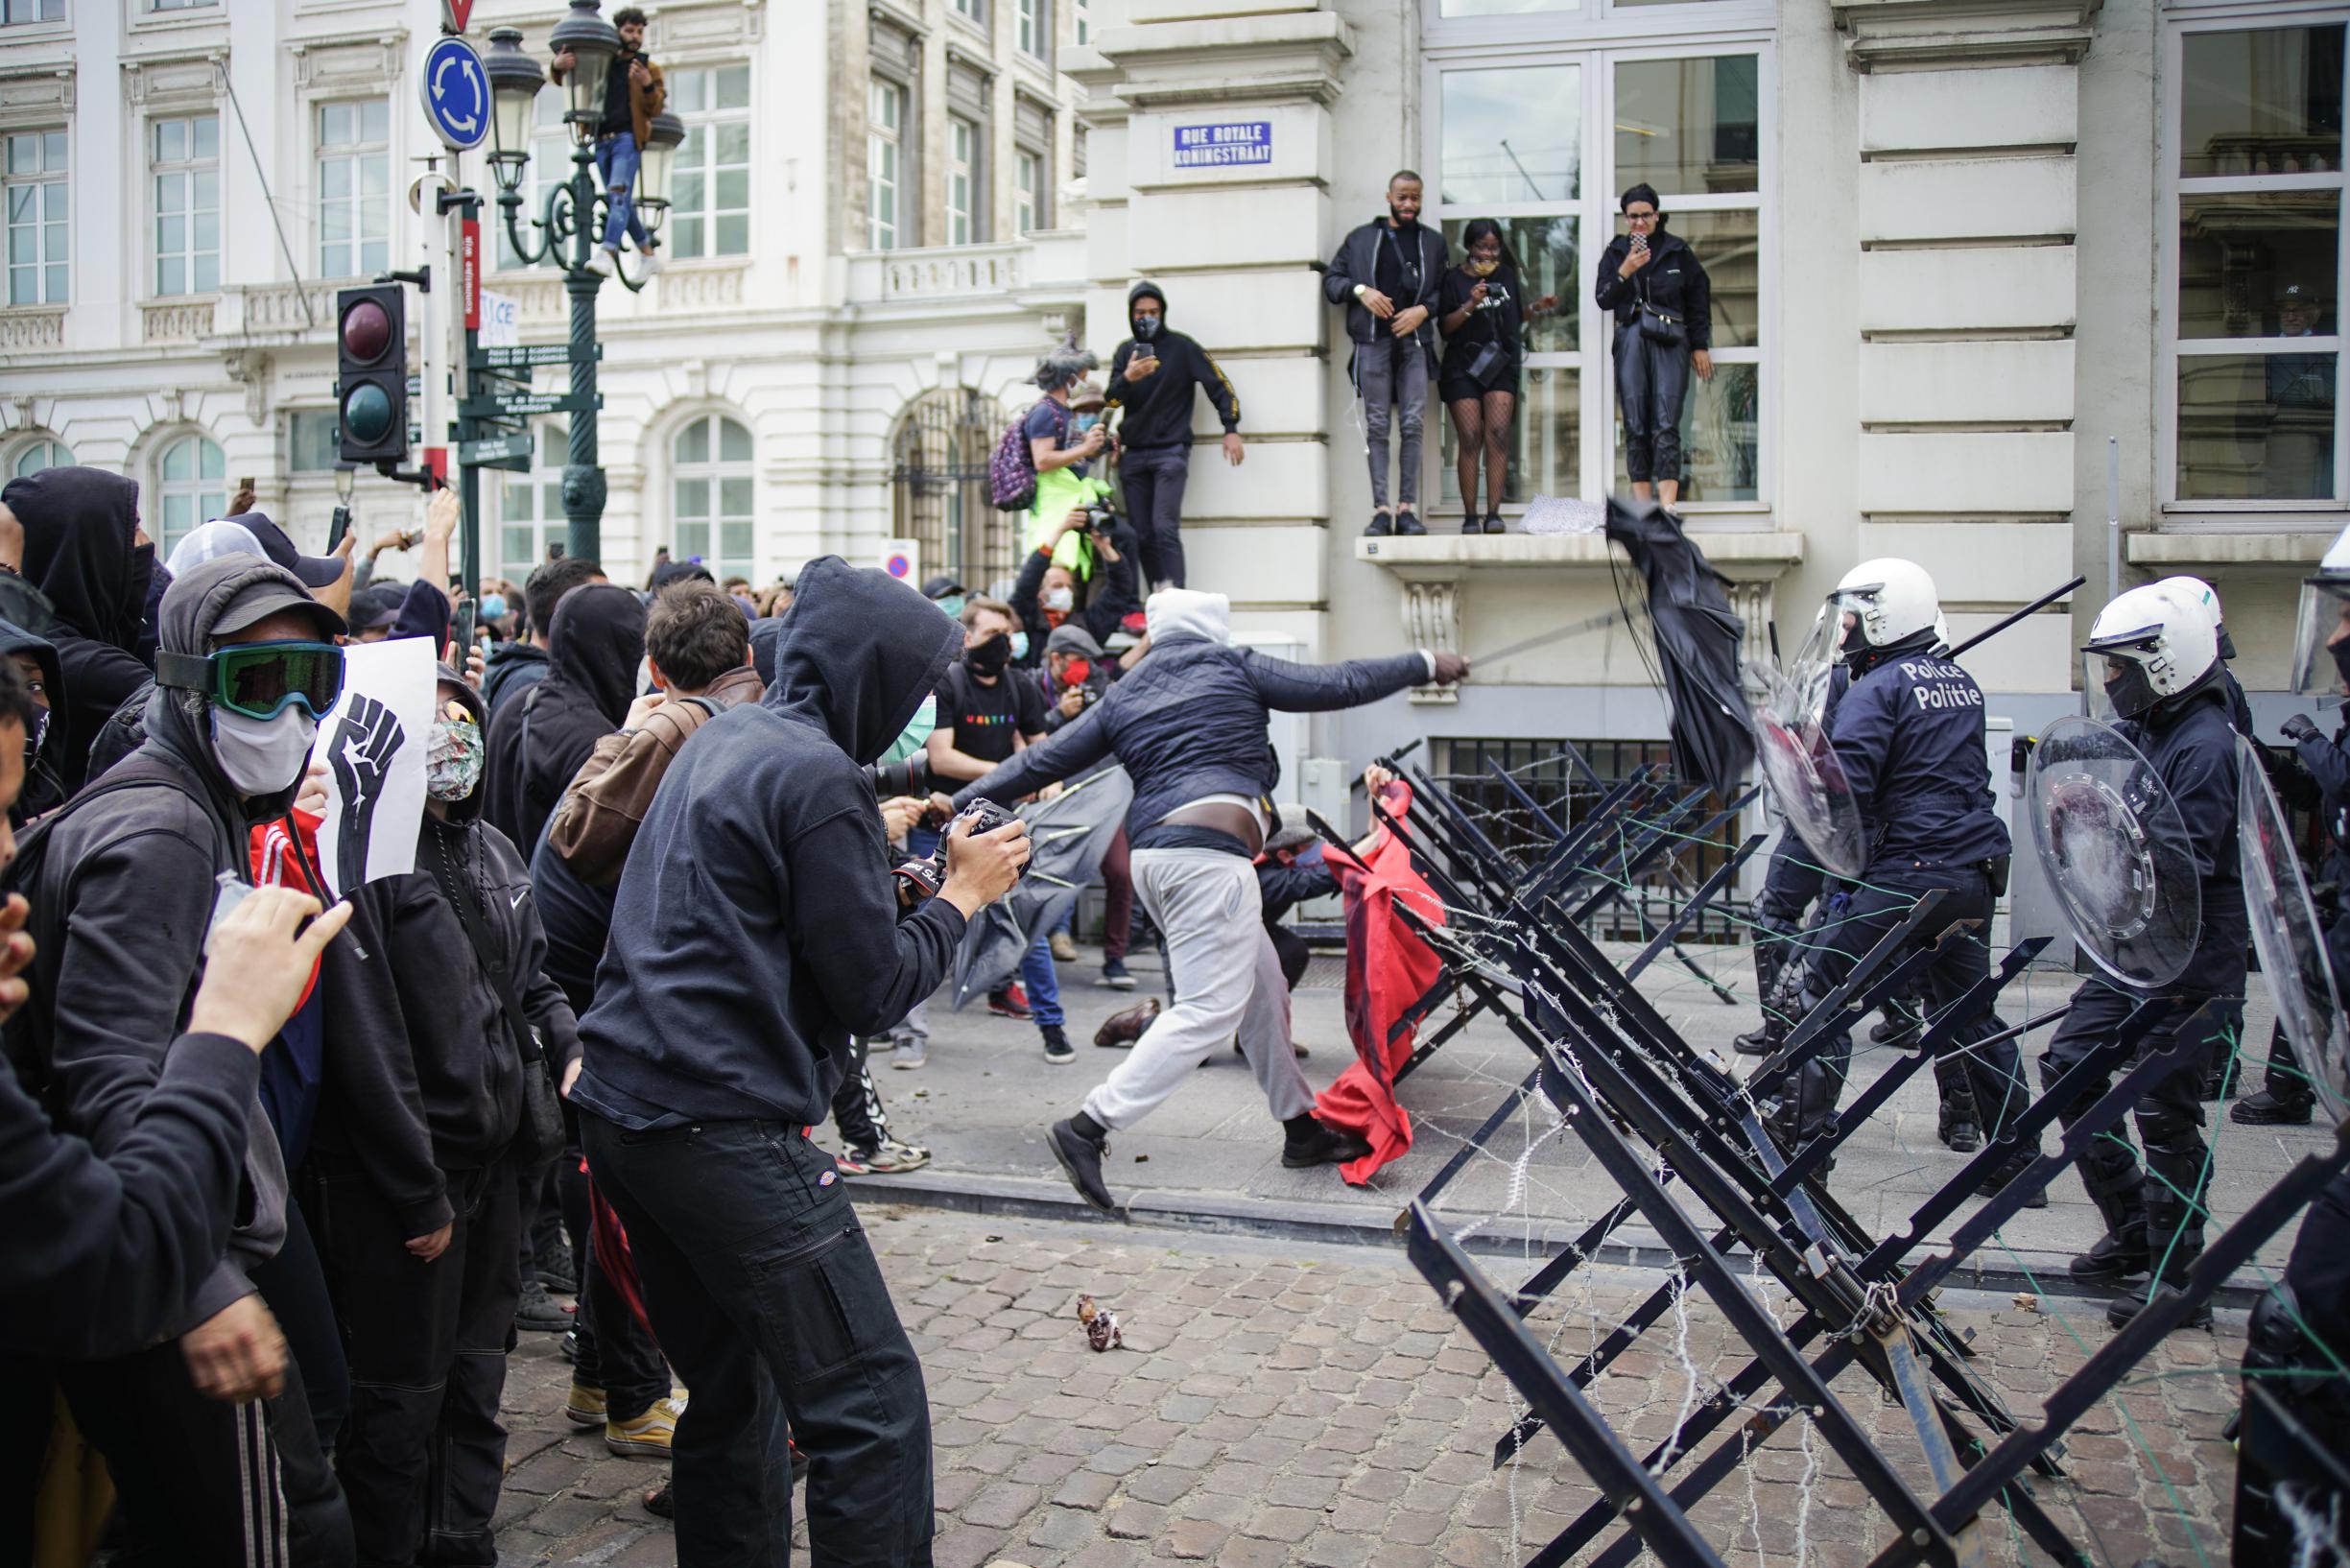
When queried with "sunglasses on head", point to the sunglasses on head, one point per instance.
{"points": [[259, 678]]}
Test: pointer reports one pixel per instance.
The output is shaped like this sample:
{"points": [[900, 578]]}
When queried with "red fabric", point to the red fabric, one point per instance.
{"points": [[1389, 967], [610, 1241], [274, 864]]}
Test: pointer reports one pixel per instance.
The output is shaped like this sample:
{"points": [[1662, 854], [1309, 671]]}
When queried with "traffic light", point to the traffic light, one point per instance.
{"points": [[371, 374]]}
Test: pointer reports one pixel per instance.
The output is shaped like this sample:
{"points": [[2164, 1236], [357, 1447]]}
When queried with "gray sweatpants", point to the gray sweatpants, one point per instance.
{"points": [[1226, 976], [1392, 378]]}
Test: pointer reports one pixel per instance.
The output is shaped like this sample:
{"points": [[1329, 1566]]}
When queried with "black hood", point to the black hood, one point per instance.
{"points": [[857, 655], [598, 641], [181, 721], [77, 524], [1146, 290], [765, 635], [463, 813], [44, 787], [16, 639]]}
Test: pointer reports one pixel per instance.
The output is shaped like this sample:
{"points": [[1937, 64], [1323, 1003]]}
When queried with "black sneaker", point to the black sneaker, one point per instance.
{"points": [[1472, 524], [1382, 525], [555, 1271], [1494, 523], [1082, 1158], [539, 1311], [2266, 1109], [1114, 975], [1962, 1137], [2111, 1264], [1320, 1144], [2133, 1301], [1408, 522], [1057, 1047]]}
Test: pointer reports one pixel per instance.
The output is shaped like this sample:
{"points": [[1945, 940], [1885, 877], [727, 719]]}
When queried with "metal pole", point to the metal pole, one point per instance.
{"points": [[583, 488], [468, 204], [2113, 517]]}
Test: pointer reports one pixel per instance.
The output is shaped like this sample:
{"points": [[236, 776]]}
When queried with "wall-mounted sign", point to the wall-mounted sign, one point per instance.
{"points": [[1213, 146]]}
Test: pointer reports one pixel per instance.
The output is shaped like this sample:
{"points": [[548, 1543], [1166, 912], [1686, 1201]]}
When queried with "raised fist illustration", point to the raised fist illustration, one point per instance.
{"points": [[366, 738]]}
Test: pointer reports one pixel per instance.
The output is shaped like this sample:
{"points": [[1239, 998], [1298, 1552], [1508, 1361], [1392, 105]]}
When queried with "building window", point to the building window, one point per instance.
{"points": [[1527, 146], [530, 506], [192, 485], [1029, 29], [310, 445], [1028, 196], [45, 453], [355, 188], [1083, 13], [549, 166], [187, 159], [962, 179], [884, 148], [35, 190], [709, 212], [711, 486], [181, 5], [2253, 330], [974, 12], [13, 12]]}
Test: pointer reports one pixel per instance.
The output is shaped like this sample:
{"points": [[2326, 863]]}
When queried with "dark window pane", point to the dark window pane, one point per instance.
{"points": [[2262, 103], [2238, 254], [1510, 135], [1687, 126], [1546, 255], [2256, 426], [1729, 245]]}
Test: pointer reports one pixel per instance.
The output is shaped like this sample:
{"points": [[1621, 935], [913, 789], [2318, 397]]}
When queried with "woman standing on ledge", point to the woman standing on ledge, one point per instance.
{"points": [[1483, 308], [1662, 300]]}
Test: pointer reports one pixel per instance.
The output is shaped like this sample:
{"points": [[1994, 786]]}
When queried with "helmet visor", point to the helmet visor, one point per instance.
{"points": [[1857, 602], [2320, 635]]}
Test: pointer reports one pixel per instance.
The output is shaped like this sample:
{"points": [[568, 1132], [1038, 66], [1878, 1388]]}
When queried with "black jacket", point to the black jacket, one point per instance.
{"points": [[422, 1075], [1358, 262], [103, 1252], [1111, 598], [514, 667], [1159, 408], [1674, 281], [537, 741], [1909, 735], [77, 524], [44, 785], [2192, 744], [756, 930]]}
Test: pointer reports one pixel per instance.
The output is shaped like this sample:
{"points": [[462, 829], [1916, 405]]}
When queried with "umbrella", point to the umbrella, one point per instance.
{"points": [[1698, 638], [1068, 836]]}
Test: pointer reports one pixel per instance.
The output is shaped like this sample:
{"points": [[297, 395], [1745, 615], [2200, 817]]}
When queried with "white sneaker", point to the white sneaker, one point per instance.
{"points": [[603, 261], [650, 262]]}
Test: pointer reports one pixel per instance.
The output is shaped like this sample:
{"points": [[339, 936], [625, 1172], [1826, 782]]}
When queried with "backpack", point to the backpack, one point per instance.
{"points": [[1012, 473]]}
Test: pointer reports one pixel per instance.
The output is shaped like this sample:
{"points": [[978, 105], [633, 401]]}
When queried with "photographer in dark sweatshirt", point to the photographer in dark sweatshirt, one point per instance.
{"points": [[755, 933], [1153, 376]]}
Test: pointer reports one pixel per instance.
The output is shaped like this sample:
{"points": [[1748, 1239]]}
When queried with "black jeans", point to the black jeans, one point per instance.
{"points": [[1993, 1072], [423, 1453], [1651, 383], [1154, 478], [769, 1303]]}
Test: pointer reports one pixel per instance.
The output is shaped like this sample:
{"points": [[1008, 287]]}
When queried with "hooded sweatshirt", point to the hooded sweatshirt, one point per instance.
{"points": [[77, 524], [122, 898], [538, 739], [513, 668], [1159, 408], [756, 929], [423, 1077], [44, 786]]}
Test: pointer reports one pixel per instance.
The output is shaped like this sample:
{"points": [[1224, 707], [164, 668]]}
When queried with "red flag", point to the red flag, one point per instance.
{"points": [[1389, 967]]}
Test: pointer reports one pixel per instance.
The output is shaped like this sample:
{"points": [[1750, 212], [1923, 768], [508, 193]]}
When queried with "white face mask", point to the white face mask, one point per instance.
{"points": [[1059, 598], [263, 756]]}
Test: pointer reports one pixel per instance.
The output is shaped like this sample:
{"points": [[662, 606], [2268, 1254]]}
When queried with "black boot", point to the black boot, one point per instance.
{"points": [[2132, 1301], [2115, 1262], [1080, 1153], [1961, 1123], [1899, 1025], [1763, 1041], [2268, 1109], [1997, 1182], [1308, 1141]]}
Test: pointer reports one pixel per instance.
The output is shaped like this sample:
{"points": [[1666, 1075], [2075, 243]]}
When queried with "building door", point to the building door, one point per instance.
{"points": [[939, 494]]}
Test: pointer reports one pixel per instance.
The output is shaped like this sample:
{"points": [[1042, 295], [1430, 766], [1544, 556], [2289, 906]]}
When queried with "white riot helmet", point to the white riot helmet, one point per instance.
{"points": [[2321, 640], [1890, 600], [2195, 590], [2165, 643]]}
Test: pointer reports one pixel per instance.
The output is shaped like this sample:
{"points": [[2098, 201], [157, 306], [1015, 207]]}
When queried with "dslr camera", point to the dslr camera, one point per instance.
{"points": [[1099, 517], [911, 776], [920, 878]]}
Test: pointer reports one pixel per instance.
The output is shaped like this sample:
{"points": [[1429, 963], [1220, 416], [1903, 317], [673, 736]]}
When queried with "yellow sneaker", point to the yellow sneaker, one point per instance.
{"points": [[648, 1435], [585, 1405]]}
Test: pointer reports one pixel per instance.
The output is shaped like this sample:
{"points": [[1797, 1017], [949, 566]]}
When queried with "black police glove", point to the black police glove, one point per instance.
{"points": [[2298, 728]]}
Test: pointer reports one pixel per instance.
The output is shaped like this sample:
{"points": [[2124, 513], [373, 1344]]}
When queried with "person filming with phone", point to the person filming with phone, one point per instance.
{"points": [[1483, 309], [1153, 376], [1662, 300]]}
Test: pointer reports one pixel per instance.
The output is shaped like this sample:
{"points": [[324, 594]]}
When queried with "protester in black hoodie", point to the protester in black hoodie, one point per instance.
{"points": [[417, 1201], [84, 549], [756, 932], [1153, 376], [518, 665], [539, 740], [122, 895], [35, 659]]}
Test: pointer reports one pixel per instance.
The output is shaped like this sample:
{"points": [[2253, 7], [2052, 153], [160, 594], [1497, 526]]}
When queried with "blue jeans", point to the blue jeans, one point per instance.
{"points": [[1043, 983], [616, 164]]}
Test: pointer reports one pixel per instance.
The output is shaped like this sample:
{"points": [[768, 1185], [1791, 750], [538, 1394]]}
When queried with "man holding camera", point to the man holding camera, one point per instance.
{"points": [[756, 931], [1153, 376]]}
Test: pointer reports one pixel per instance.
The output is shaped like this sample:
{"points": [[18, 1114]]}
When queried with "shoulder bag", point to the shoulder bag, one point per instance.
{"points": [[539, 1137]]}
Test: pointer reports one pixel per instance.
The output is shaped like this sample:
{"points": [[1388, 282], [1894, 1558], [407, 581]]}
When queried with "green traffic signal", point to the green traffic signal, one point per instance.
{"points": [[366, 414]]}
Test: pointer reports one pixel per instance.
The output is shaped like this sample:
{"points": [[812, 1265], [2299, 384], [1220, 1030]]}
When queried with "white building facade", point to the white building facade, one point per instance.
{"points": [[1965, 254]]}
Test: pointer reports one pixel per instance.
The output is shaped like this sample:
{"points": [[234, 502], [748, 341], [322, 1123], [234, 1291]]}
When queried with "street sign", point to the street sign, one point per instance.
{"points": [[455, 14], [498, 451], [501, 320], [901, 558], [469, 261], [536, 353], [456, 93], [510, 405]]}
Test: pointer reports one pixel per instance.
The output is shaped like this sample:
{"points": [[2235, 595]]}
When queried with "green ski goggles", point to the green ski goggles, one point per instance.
{"points": [[259, 678]]}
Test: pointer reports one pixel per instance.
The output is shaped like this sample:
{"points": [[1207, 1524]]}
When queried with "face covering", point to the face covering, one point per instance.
{"points": [[2342, 660], [1062, 600], [1079, 423], [990, 657], [263, 756], [1146, 328], [1484, 269], [911, 739], [1077, 672], [952, 604], [39, 734], [453, 759], [1019, 645]]}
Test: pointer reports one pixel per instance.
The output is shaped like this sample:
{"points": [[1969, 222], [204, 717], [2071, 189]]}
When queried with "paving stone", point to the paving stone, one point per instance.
{"points": [[1088, 1489]]}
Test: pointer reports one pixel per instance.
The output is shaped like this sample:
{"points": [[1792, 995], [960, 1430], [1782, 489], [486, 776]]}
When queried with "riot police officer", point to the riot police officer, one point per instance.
{"points": [[2163, 673], [1908, 737]]}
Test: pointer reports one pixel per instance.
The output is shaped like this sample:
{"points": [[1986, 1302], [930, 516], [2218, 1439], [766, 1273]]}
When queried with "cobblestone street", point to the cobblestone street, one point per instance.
{"points": [[1285, 1403]]}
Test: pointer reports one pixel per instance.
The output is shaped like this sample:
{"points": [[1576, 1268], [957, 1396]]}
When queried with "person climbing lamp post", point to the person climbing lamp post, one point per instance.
{"points": [[572, 216]]}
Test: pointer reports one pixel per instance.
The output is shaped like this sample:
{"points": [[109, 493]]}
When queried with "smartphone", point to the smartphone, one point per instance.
{"points": [[555, 552], [335, 529], [1640, 241], [462, 634], [1144, 350]]}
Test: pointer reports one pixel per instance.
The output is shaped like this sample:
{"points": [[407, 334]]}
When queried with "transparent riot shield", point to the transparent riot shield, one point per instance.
{"points": [[2287, 935], [1791, 749], [2116, 851]]}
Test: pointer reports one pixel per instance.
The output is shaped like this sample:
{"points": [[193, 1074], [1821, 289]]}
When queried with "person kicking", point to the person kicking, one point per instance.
{"points": [[1188, 723]]}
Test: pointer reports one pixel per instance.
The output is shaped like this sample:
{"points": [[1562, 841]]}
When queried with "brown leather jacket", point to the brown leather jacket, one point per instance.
{"points": [[644, 103], [605, 803]]}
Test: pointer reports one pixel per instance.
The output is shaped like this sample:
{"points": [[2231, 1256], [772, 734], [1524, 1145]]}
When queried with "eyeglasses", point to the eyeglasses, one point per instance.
{"points": [[1640, 217], [259, 678]]}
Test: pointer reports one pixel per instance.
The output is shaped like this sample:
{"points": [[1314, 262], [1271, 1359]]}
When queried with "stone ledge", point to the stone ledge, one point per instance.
{"points": [[2250, 547], [1744, 555]]}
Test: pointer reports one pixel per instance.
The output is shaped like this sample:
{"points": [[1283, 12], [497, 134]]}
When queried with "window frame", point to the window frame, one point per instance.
{"points": [[707, 121], [2172, 188], [38, 441], [196, 488], [356, 151], [42, 222], [1032, 30], [1023, 193], [964, 142], [714, 471], [544, 483], [1596, 42], [63, 19], [190, 166], [896, 138]]}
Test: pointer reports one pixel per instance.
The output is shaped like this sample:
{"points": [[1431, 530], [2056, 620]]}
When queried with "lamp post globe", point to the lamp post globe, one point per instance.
{"points": [[514, 83], [591, 42], [663, 135]]}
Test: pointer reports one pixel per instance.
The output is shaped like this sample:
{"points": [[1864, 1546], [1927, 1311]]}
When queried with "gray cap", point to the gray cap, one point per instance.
{"points": [[262, 594], [1069, 637]]}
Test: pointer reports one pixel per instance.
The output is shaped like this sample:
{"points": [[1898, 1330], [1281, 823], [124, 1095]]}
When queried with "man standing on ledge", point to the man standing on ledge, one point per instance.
{"points": [[1388, 274], [1187, 724], [1152, 377]]}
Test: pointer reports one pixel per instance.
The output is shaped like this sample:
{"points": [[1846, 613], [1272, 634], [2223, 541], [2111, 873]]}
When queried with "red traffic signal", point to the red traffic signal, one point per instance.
{"points": [[371, 374]]}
